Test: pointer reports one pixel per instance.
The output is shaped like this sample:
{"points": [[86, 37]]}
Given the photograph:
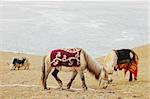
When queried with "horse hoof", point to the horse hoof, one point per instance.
{"points": [[104, 87], [85, 88], [130, 80], [60, 88], [46, 89], [68, 87]]}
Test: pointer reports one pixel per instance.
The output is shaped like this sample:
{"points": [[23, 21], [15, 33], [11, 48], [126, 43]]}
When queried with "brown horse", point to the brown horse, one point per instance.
{"points": [[86, 62], [119, 59]]}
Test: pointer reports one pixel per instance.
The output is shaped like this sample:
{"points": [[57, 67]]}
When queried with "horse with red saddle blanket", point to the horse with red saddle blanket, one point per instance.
{"points": [[120, 59], [75, 60]]}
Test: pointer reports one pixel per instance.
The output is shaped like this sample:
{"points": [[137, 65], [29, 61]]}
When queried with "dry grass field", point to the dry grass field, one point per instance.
{"points": [[25, 84]]}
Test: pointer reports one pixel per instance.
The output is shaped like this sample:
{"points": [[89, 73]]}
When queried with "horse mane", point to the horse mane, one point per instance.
{"points": [[92, 66], [110, 57]]}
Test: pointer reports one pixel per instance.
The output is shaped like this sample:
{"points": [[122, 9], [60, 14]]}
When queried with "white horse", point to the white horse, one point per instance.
{"points": [[117, 59], [86, 62]]}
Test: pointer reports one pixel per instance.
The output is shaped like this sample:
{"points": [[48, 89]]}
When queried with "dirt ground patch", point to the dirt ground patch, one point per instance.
{"points": [[25, 84]]}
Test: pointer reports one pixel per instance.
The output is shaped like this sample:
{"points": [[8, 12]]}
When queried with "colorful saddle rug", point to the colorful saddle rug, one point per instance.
{"points": [[65, 57], [133, 68]]}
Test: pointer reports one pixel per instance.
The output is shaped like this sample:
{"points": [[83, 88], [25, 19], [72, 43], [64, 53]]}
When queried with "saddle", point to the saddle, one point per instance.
{"points": [[65, 57], [123, 56], [18, 61]]}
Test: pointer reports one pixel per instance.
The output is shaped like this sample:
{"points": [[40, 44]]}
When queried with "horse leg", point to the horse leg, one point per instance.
{"points": [[130, 78], [46, 76], [135, 78], [83, 81], [27, 67], [46, 68], [24, 67], [74, 74], [18, 67], [54, 74], [11, 67], [14, 67]]}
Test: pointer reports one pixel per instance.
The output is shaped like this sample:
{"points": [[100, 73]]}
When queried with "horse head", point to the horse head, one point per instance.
{"points": [[109, 72], [23, 59], [104, 78], [110, 62]]}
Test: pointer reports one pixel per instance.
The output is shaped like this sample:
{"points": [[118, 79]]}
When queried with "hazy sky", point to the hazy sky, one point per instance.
{"points": [[97, 27]]}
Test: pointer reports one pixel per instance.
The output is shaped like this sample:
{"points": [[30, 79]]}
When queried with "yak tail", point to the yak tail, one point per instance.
{"points": [[43, 71], [92, 66]]}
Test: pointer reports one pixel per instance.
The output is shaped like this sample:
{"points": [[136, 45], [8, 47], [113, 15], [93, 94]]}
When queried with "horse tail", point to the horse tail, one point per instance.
{"points": [[92, 66], [43, 71], [135, 57]]}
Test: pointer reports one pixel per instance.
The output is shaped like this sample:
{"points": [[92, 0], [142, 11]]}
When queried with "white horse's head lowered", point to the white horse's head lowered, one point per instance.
{"points": [[103, 77], [110, 62], [98, 70]]}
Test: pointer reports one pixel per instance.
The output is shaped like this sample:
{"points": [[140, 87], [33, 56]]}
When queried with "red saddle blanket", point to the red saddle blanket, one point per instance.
{"points": [[133, 68], [65, 57]]}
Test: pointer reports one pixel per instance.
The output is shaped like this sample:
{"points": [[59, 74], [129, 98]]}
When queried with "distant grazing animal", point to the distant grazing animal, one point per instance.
{"points": [[75, 60], [24, 62], [120, 59]]}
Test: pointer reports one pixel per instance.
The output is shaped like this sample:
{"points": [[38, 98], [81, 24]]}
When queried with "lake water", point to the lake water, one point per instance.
{"points": [[97, 27]]}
